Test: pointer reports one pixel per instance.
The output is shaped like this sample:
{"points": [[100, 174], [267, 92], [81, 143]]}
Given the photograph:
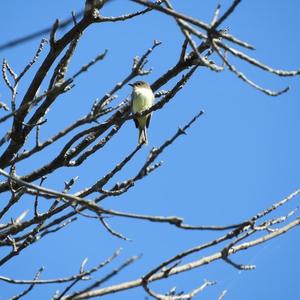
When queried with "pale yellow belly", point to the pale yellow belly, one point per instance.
{"points": [[141, 102]]}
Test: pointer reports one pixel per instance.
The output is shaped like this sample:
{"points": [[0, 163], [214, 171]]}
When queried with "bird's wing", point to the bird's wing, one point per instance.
{"points": [[136, 123], [148, 120]]}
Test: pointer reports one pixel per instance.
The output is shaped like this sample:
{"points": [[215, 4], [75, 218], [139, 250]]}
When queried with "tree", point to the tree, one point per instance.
{"points": [[67, 160]]}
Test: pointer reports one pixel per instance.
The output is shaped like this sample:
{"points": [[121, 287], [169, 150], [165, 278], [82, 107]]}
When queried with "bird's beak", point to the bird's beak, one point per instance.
{"points": [[131, 84]]}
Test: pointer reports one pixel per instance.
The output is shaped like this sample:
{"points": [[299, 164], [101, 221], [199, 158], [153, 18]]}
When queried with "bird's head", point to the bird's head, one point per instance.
{"points": [[139, 84]]}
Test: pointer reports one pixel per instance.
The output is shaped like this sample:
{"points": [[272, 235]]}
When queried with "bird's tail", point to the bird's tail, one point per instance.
{"points": [[143, 136]]}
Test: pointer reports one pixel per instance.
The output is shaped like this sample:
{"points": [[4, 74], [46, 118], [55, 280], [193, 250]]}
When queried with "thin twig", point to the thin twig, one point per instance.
{"points": [[25, 292], [81, 275], [103, 280], [243, 77], [43, 43]]}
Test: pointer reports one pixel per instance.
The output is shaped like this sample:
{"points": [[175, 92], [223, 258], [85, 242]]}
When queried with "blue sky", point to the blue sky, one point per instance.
{"points": [[240, 157]]}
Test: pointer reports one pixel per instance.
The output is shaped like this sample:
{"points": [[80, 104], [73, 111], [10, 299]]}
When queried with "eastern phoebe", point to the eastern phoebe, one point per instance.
{"points": [[141, 99]]}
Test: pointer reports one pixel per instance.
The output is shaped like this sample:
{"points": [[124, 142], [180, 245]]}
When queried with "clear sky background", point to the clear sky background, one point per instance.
{"points": [[241, 156]]}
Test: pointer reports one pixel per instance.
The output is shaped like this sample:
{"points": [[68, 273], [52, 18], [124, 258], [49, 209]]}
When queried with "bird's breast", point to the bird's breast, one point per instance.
{"points": [[142, 99]]}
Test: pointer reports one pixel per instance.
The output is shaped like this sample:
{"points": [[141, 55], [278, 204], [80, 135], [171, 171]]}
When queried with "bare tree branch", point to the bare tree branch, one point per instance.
{"points": [[48, 210], [189, 266]]}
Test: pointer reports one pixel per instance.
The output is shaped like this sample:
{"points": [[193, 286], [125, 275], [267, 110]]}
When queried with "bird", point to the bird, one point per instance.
{"points": [[142, 98]]}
